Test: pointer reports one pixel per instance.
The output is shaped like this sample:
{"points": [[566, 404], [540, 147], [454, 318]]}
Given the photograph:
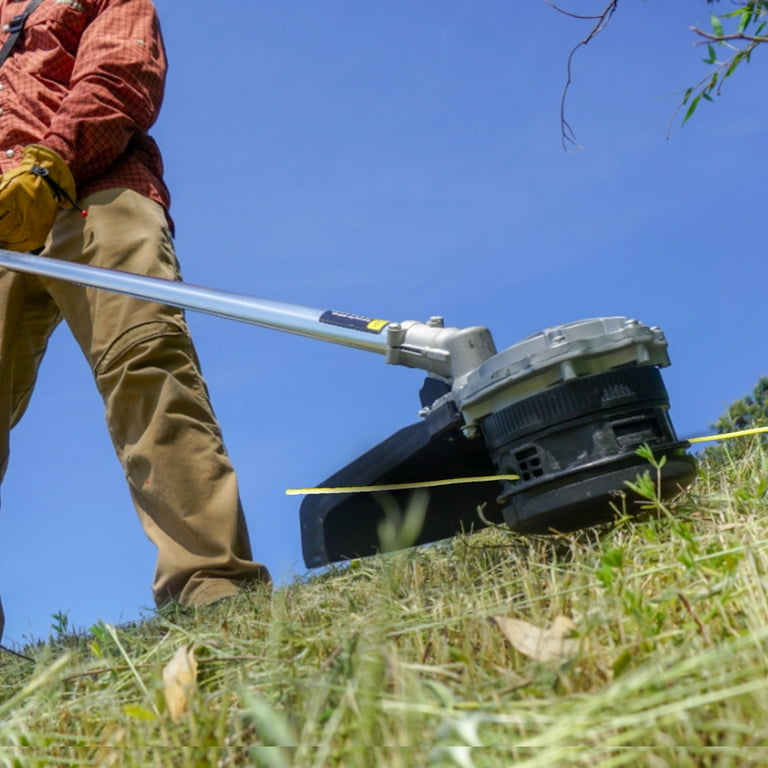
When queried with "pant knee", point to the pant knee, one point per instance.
{"points": [[142, 340], [151, 383]]}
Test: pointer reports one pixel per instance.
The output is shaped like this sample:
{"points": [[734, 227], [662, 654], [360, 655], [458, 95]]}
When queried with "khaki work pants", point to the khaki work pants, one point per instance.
{"points": [[157, 406]]}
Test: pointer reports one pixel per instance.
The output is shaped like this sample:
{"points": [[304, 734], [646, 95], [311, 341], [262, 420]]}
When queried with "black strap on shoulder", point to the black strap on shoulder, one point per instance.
{"points": [[15, 28]]}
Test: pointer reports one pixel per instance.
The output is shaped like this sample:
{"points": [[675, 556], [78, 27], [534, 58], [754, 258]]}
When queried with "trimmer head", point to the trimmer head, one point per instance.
{"points": [[565, 410]]}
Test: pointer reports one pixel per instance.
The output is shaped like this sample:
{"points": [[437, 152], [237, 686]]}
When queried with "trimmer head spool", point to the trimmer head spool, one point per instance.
{"points": [[575, 445]]}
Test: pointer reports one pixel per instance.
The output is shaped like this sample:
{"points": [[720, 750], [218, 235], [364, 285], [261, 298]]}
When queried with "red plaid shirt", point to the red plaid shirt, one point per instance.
{"points": [[86, 78]]}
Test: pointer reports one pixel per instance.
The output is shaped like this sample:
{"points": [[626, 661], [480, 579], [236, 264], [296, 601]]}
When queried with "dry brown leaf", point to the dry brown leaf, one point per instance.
{"points": [[552, 644], [180, 681]]}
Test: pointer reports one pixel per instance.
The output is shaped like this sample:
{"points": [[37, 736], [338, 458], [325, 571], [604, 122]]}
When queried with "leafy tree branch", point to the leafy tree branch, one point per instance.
{"points": [[750, 20], [736, 34]]}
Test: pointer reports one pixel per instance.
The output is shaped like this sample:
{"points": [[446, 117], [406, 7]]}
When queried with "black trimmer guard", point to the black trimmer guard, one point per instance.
{"points": [[346, 526]]}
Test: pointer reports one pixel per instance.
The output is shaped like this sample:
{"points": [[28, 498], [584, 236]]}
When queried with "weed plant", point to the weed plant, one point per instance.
{"points": [[399, 660]]}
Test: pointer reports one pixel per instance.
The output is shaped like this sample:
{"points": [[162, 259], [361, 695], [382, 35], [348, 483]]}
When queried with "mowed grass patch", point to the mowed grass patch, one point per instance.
{"points": [[641, 643]]}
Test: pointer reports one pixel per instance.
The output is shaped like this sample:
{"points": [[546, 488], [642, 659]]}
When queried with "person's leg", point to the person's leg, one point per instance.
{"points": [[27, 319], [28, 316], [157, 406]]}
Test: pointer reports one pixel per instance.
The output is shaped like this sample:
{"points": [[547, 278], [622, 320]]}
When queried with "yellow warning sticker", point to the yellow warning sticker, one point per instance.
{"points": [[355, 322]]}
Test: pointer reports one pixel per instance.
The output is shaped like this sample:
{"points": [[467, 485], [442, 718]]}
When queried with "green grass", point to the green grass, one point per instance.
{"points": [[398, 661]]}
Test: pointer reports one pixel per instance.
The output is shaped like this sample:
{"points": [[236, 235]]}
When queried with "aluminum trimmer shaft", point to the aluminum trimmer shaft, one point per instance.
{"points": [[292, 318], [443, 352]]}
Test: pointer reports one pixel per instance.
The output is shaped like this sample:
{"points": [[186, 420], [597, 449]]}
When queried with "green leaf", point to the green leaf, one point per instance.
{"points": [[717, 25], [711, 57], [99, 631], [614, 557], [138, 712], [644, 451], [737, 59], [643, 486], [622, 663]]}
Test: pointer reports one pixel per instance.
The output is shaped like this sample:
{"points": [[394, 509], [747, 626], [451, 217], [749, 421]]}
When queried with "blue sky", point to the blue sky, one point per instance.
{"points": [[401, 160]]}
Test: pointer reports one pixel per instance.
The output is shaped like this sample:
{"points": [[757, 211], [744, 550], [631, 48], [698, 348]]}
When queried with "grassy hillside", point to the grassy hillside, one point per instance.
{"points": [[643, 644]]}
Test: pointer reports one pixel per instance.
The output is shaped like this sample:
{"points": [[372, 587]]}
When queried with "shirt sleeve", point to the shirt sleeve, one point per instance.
{"points": [[116, 87]]}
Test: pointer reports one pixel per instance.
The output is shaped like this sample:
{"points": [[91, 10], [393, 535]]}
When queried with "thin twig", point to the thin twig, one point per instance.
{"points": [[570, 14], [601, 20], [684, 600], [735, 36], [16, 653]]}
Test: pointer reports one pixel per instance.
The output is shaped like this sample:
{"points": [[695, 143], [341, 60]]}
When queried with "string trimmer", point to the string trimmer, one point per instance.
{"points": [[560, 415]]}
